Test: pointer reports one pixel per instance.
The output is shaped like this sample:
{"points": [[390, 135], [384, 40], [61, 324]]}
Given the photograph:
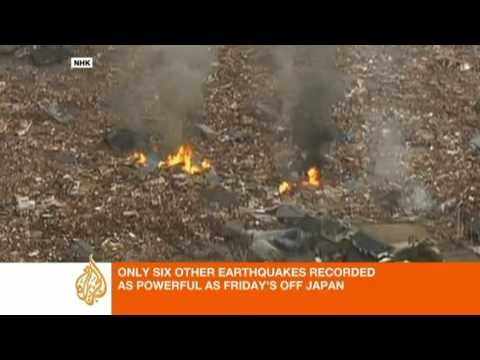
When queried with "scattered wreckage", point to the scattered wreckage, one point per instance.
{"points": [[322, 238]]}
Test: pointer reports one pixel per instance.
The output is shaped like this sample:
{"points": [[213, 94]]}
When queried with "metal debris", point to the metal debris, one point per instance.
{"points": [[24, 203], [51, 202], [24, 128], [34, 253], [132, 213]]}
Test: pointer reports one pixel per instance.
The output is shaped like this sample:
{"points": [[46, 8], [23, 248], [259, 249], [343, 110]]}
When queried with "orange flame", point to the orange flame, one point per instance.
{"points": [[184, 157], [284, 187], [314, 178], [206, 164], [137, 158]]}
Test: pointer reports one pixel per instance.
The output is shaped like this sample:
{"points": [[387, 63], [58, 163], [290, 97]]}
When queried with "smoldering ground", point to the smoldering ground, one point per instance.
{"points": [[158, 87]]}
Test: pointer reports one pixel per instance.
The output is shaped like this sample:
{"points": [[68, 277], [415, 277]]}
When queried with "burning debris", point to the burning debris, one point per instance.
{"points": [[183, 157], [293, 144], [159, 87], [308, 93], [284, 187], [313, 180], [138, 159], [313, 177]]}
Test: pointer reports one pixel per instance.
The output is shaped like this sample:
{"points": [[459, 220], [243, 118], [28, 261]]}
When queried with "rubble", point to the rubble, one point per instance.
{"points": [[281, 245], [265, 251], [24, 128], [207, 132], [476, 250], [56, 111], [3, 126], [327, 251], [8, 49], [220, 253], [345, 137], [353, 254], [262, 56], [243, 136], [476, 107], [395, 235], [36, 234], [51, 202], [267, 112], [475, 143], [235, 231], [24, 203], [325, 226], [132, 213], [370, 246], [219, 196], [462, 254], [426, 136], [50, 54], [447, 205], [391, 201], [475, 229], [212, 179], [333, 229], [292, 240], [286, 212], [82, 249], [126, 140], [419, 251], [246, 109]]}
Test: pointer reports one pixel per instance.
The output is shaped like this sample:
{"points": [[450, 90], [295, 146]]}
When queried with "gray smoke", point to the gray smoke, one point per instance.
{"points": [[309, 84], [159, 87]]}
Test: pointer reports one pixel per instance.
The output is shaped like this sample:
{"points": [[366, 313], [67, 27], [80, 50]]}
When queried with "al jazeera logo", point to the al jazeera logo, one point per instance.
{"points": [[91, 285]]}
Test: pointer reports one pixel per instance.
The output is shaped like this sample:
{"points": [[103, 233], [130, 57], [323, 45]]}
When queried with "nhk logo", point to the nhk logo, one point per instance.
{"points": [[81, 63]]}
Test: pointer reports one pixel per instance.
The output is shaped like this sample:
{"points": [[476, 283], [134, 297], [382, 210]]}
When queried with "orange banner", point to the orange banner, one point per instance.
{"points": [[295, 289]]}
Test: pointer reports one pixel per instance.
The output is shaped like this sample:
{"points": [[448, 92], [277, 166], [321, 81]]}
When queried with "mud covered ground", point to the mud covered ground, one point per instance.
{"points": [[404, 155]]}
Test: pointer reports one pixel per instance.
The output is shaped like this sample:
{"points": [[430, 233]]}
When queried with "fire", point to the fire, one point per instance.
{"points": [[284, 187], [313, 177], [206, 164], [137, 158], [184, 157]]}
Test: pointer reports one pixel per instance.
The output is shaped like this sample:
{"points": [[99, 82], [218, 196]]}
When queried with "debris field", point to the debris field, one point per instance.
{"points": [[398, 179]]}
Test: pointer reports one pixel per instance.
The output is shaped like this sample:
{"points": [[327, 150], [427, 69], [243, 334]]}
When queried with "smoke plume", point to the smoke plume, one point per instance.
{"points": [[159, 87], [308, 84]]}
